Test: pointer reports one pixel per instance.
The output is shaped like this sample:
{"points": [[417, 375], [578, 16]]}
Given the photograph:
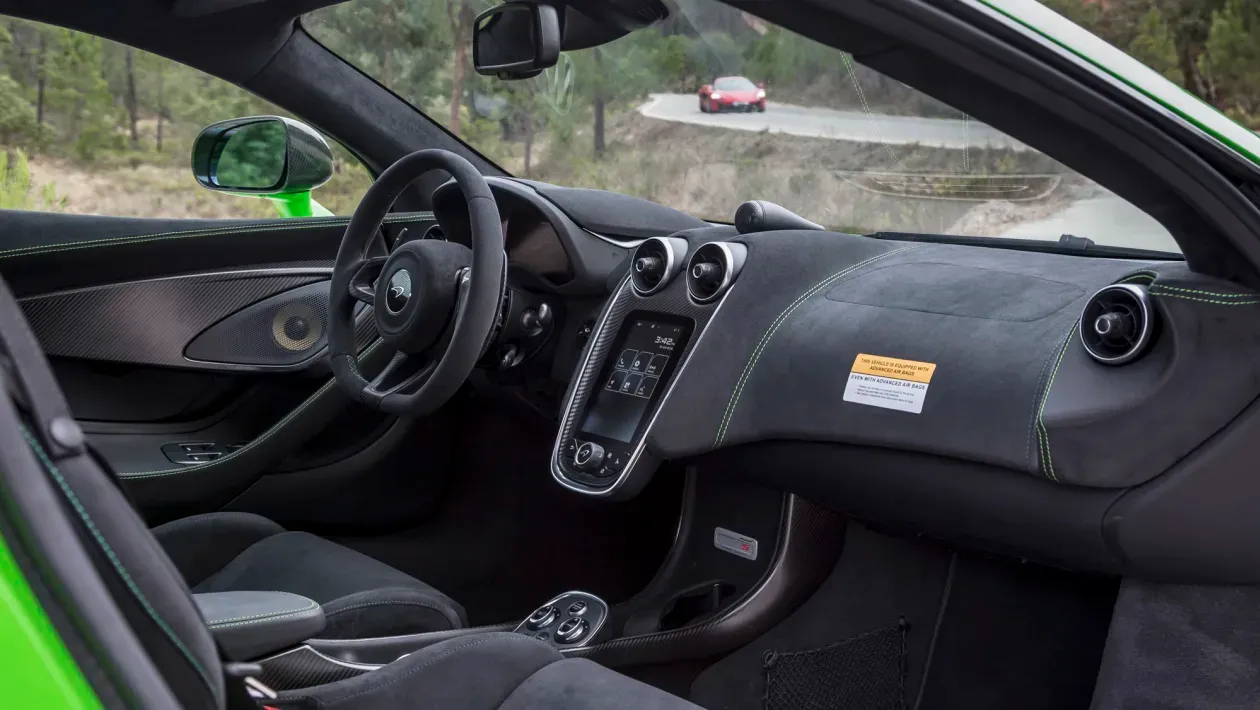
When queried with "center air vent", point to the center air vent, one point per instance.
{"points": [[1118, 324], [655, 262], [712, 269]]}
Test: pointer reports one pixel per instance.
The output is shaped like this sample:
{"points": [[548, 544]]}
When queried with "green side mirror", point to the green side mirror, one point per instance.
{"points": [[261, 155]]}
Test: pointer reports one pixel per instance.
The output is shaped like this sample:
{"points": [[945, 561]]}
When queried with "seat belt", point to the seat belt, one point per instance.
{"points": [[51, 421], [34, 390]]}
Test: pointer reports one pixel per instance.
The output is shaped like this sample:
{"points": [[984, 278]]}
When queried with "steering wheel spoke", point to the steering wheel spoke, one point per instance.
{"points": [[403, 374], [363, 283]]}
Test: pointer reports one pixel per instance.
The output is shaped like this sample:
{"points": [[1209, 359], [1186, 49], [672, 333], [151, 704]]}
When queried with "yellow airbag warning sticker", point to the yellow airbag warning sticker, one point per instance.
{"points": [[888, 382]]}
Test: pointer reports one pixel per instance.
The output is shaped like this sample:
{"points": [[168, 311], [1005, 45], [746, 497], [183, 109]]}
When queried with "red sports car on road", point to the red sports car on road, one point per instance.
{"points": [[732, 93]]}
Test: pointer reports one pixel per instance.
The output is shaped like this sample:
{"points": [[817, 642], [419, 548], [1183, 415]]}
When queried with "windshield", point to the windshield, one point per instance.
{"points": [[824, 136], [738, 83]]}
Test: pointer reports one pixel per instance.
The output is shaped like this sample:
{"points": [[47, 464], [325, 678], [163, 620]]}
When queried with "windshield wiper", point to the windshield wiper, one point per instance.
{"points": [[1066, 244]]}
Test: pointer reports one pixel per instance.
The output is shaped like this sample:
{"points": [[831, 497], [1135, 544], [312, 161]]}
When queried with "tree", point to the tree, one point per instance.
{"points": [[598, 106], [1232, 60], [1154, 46], [133, 103], [461, 18], [40, 78]]}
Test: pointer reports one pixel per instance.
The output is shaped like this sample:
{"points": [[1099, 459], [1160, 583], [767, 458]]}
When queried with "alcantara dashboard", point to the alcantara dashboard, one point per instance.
{"points": [[1027, 402]]}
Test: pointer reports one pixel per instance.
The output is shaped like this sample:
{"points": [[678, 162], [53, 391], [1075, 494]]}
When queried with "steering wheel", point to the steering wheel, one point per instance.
{"points": [[435, 302]]}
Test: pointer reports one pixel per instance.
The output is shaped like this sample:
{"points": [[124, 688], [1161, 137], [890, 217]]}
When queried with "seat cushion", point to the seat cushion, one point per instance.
{"points": [[361, 597], [487, 671]]}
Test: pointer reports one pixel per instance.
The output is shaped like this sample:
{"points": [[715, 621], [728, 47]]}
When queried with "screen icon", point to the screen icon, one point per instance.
{"points": [[631, 383], [614, 383], [627, 357], [640, 362], [646, 387], [657, 366]]}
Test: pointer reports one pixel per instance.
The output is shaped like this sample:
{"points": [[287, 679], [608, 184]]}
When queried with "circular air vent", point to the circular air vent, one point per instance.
{"points": [[435, 232], [1117, 324], [654, 263], [712, 268]]}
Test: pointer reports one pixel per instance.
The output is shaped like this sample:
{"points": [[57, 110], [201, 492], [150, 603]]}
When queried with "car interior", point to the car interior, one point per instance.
{"points": [[492, 442]]}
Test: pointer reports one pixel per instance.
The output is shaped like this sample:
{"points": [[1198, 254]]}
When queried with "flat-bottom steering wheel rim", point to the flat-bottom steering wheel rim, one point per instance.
{"points": [[479, 300]]}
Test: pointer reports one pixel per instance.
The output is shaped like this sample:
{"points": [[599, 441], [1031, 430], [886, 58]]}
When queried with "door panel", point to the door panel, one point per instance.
{"points": [[153, 322], [117, 302]]}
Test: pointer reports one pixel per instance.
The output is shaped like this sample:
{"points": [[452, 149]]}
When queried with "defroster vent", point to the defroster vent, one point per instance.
{"points": [[1118, 324], [655, 262], [713, 268]]}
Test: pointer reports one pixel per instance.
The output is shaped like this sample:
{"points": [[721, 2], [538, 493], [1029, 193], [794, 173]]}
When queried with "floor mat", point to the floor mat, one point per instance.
{"points": [[1182, 647], [981, 632], [507, 537], [1017, 635]]}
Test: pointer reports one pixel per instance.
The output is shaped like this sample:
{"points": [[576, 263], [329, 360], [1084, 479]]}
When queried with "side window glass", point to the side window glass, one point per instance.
{"points": [[91, 126]]}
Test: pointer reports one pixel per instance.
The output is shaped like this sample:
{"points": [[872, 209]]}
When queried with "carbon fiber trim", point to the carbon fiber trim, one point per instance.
{"points": [[226, 228], [151, 322], [303, 667], [674, 300], [810, 543]]}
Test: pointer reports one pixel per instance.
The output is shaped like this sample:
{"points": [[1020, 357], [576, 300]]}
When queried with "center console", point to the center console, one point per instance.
{"points": [[641, 344], [744, 557]]}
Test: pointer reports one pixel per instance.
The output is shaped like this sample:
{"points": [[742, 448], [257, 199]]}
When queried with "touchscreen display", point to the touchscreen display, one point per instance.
{"points": [[646, 353]]}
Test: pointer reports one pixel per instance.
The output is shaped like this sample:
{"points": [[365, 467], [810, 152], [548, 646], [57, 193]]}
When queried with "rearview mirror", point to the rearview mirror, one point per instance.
{"points": [[517, 40], [261, 155]]}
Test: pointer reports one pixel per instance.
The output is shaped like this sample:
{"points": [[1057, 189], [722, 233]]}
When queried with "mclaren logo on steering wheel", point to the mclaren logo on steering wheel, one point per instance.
{"points": [[399, 291]]}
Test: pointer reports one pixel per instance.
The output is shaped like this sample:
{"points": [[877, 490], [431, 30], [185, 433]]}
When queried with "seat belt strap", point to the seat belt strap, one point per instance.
{"points": [[52, 422]]}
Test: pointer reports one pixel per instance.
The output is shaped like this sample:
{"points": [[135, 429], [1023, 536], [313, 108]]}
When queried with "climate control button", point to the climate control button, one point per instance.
{"points": [[542, 618], [572, 631]]}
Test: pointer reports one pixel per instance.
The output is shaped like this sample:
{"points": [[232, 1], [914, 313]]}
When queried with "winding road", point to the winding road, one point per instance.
{"points": [[834, 124], [1106, 218]]}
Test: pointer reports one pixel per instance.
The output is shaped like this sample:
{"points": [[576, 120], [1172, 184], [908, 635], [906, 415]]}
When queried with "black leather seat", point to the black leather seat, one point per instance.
{"points": [[361, 597]]}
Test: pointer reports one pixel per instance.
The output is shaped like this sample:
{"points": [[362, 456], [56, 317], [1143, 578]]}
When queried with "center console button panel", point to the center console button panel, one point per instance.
{"points": [[571, 620]]}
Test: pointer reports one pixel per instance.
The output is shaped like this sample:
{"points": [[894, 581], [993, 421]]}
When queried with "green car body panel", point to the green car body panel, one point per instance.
{"points": [[39, 670], [297, 204]]}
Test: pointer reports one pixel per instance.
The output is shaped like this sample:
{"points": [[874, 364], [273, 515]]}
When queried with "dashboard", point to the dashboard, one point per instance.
{"points": [[1094, 413]]}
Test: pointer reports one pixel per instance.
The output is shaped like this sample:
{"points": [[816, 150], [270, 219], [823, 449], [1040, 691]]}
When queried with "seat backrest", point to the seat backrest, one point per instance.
{"points": [[141, 580]]}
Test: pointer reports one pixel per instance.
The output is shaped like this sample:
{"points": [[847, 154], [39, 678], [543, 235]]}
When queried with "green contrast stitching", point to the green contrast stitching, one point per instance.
{"points": [[246, 621], [1204, 293], [265, 435], [1043, 436], [765, 339], [269, 614], [206, 232], [113, 558], [1157, 291]]}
